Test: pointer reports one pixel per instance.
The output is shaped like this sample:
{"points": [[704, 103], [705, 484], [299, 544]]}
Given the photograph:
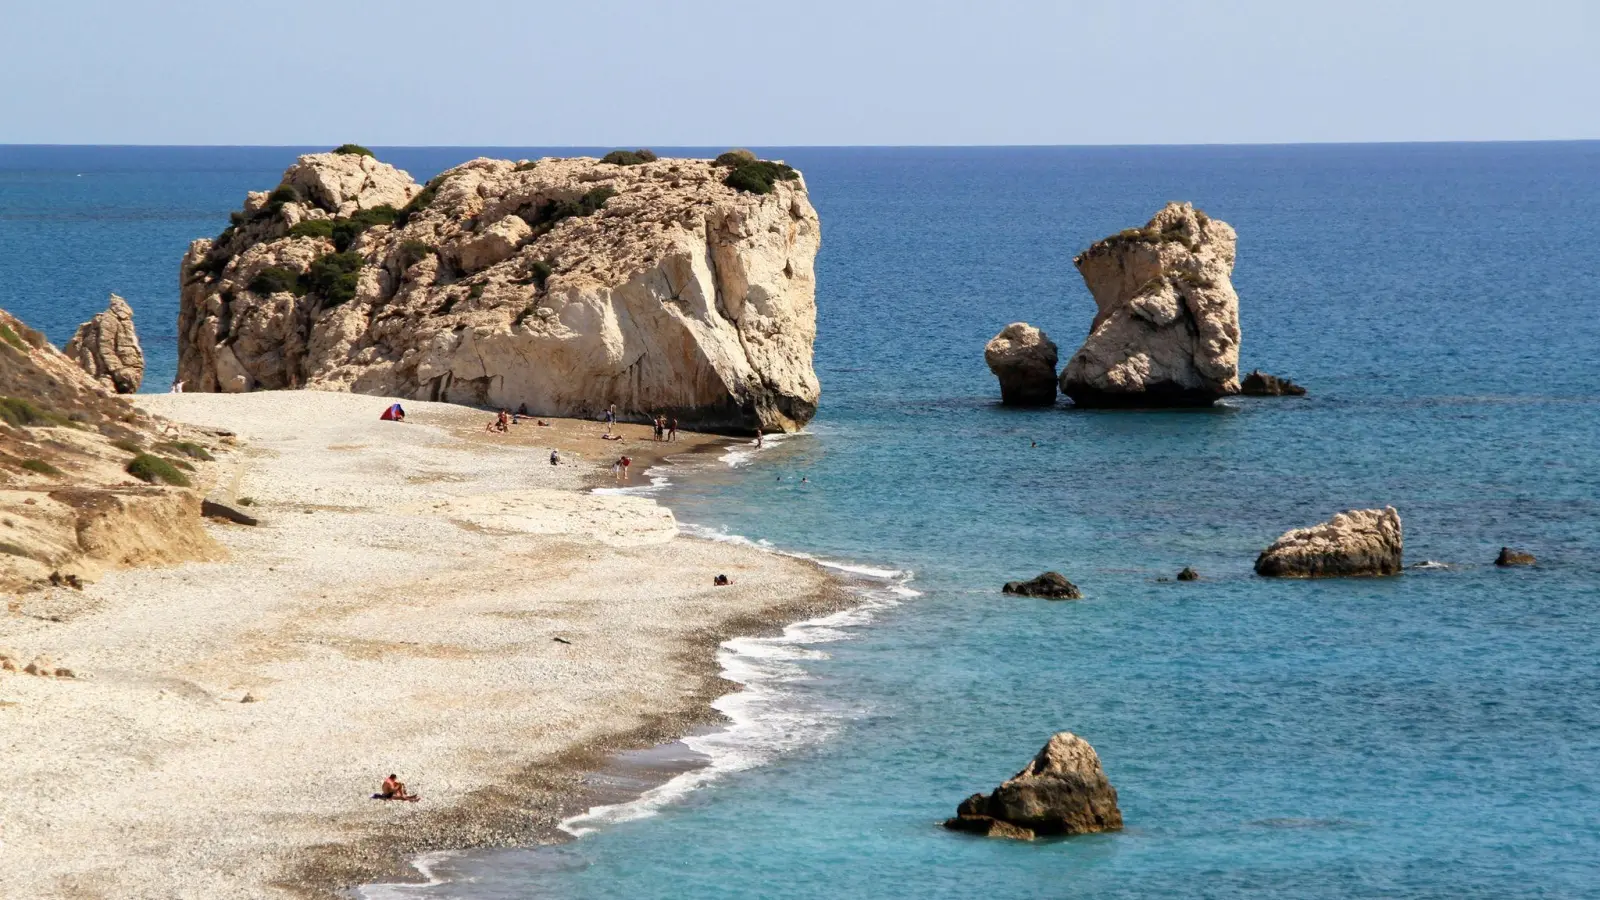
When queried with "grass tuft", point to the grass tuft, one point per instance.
{"points": [[155, 470]]}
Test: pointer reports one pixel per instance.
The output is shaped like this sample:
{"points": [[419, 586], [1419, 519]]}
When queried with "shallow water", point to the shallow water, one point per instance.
{"points": [[1431, 735]]}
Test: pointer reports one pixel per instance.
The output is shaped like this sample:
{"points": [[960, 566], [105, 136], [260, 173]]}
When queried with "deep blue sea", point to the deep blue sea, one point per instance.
{"points": [[1432, 735]]}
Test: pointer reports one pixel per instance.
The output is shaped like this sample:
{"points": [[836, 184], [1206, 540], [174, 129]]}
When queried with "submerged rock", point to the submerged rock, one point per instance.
{"points": [[1063, 791], [108, 349], [1509, 557], [1024, 359], [1050, 585], [1354, 542], [1188, 574], [1167, 329], [1260, 384], [561, 285]]}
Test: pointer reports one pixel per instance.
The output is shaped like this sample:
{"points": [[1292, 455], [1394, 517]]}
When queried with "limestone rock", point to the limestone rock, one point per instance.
{"points": [[1509, 557], [108, 349], [988, 826], [345, 183], [1063, 790], [1024, 359], [1167, 329], [1050, 585], [1188, 574], [1354, 542], [211, 509], [562, 285], [1260, 384], [42, 665]]}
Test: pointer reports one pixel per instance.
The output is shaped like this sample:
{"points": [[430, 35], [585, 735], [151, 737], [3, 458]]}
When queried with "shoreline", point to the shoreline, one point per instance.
{"points": [[395, 611]]}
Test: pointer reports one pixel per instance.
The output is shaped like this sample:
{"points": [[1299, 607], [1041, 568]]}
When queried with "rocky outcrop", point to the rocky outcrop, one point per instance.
{"points": [[108, 349], [1509, 557], [1063, 791], [1354, 542], [1050, 585], [69, 507], [1167, 329], [1188, 574], [562, 285], [1024, 359], [1260, 384]]}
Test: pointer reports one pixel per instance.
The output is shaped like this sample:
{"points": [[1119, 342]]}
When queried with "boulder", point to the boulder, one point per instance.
{"points": [[1063, 791], [1167, 328], [1024, 359], [1509, 557], [1050, 585], [42, 665], [561, 285], [1354, 542], [108, 349], [988, 826], [1188, 574], [211, 509], [1260, 384]]}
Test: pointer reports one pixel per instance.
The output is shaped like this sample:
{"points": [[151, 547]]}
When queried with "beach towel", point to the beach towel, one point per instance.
{"points": [[393, 413]]}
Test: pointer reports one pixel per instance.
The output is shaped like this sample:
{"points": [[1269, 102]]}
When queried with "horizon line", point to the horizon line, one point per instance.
{"points": [[1351, 143]]}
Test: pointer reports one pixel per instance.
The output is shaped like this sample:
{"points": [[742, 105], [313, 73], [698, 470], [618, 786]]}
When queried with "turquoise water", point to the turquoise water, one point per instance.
{"points": [[1431, 735]]}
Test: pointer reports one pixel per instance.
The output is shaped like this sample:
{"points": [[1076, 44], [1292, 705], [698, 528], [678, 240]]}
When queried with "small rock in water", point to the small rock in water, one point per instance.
{"points": [[1188, 574], [1063, 790], [1050, 585], [1260, 384], [1509, 557], [1354, 542], [1024, 359]]}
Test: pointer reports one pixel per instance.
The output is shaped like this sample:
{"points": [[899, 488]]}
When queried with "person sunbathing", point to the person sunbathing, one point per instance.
{"points": [[395, 789]]}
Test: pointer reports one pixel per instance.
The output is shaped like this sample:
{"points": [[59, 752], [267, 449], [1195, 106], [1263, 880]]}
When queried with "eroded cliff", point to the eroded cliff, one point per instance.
{"points": [[562, 285]]}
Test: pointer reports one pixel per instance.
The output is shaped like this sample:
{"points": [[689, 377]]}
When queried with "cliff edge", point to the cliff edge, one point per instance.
{"points": [[665, 286]]}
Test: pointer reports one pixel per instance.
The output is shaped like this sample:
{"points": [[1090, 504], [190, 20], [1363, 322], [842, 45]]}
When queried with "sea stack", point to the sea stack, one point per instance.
{"points": [[1049, 585], [1354, 542], [1063, 791], [1260, 384], [1024, 359], [682, 287], [1167, 329], [108, 349]]}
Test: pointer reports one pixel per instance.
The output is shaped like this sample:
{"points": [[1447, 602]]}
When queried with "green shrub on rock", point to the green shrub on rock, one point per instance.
{"points": [[20, 413], [629, 157], [345, 231], [313, 228], [550, 213], [420, 202], [413, 251], [759, 177], [734, 158], [153, 469], [275, 279], [540, 271], [353, 150], [41, 467], [334, 276], [187, 448]]}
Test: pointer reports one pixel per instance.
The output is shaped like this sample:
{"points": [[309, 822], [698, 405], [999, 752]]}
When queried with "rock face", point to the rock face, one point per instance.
{"points": [[1024, 359], [1062, 791], [1355, 542], [1167, 330], [108, 349], [1509, 557], [1260, 384], [565, 285], [1050, 585]]}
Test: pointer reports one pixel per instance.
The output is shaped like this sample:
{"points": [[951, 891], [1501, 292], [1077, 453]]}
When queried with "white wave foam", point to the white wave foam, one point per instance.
{"points": [[740, 455], [425, 864], [767, 717]]}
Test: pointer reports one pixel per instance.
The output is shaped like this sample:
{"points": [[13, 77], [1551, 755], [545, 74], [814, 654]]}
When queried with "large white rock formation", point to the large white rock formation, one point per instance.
{"points": [[108, 349], [565, 285], [1167, 330]]}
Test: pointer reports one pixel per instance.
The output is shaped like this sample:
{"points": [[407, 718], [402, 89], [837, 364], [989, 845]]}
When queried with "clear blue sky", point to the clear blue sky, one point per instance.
{"points": [[709, 72]]}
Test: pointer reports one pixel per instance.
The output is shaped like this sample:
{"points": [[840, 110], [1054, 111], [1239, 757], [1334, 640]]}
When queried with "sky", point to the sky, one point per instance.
{"points": [[816, 72]]}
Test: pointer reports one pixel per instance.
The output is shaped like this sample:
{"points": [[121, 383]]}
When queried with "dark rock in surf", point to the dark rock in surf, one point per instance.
{"points": [[1260, 384], [1509, 557], [1188, 574], [1063, 791], [1050, 585]]}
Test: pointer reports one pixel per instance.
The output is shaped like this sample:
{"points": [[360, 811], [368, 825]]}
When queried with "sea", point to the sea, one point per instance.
{"points": [[1430, 735]]}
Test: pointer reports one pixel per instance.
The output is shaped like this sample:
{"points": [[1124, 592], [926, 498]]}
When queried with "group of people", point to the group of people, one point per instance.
{"points": [[665, 428], [503, 422]]}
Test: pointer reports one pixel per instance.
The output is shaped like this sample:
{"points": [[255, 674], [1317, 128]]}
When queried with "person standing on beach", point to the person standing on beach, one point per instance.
{"points": [[626, 462], [611, 417], [758, 439], [673, 429], [555, 457]]}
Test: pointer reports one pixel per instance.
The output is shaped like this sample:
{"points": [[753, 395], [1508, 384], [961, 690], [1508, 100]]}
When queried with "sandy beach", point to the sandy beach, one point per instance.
{"points": [[419, 598]]}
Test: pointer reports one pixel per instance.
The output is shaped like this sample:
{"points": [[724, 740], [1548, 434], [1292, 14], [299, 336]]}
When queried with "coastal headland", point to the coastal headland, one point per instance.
{"points": [[397, 609]]}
